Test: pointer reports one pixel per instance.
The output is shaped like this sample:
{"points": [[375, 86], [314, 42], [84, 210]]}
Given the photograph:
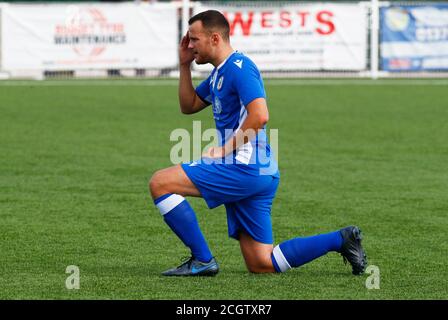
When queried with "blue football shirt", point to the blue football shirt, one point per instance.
{"points": [[229, 89]]}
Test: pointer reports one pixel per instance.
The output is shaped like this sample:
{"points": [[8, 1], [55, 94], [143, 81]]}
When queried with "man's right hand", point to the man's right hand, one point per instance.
{"points": [[186, 55]]}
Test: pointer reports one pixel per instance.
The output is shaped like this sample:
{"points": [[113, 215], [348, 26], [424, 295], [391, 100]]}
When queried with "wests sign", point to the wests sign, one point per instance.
{"points": [[321, 21], [300, 37]]}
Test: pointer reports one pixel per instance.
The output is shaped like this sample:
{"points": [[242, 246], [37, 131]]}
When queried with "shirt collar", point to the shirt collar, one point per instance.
{"points": [[223, 63]]}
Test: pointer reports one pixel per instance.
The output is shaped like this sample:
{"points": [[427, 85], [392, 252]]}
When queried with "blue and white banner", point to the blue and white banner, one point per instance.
{"points": [[414, 38]]}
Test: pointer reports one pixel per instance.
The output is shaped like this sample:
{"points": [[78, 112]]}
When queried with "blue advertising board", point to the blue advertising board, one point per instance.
{"points": [[414, 38]]}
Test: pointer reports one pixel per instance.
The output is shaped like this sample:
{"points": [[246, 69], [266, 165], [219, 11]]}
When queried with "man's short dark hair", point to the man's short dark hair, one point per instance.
{"points": [[213, 20]]}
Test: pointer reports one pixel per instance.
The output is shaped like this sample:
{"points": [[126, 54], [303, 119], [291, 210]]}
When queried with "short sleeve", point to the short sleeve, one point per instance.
{"points": [[203, 90], [249, 83]]}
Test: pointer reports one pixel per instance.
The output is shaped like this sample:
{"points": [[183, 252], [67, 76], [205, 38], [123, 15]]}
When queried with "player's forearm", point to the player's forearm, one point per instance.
{"points": [[186, 90], [248, 131]]}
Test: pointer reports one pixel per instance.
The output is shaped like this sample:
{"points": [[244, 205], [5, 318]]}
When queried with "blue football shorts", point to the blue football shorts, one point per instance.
{"points": [[246, 194]]}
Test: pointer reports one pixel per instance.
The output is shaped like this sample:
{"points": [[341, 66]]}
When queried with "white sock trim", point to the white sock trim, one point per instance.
{"points": [[168, 204], [280, 259]]}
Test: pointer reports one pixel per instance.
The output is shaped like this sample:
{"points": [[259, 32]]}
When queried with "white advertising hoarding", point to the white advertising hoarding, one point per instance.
{"points": [[89, 36], [300, 36]]}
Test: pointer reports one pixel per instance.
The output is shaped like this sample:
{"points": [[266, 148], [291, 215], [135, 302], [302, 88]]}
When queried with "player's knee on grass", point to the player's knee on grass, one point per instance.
{"points": [[257, 255], [261, 267], [259, 264]]}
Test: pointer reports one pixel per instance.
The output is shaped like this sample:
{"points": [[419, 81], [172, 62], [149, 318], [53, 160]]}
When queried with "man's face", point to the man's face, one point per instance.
{"points": [[200, 43]]}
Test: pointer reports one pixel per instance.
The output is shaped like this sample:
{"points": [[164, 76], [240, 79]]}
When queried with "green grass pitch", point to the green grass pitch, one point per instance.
{"points": [[76, 156]]}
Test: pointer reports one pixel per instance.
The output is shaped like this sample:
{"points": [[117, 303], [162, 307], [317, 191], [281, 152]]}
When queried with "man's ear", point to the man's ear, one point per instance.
{"points": [[215, 38]]}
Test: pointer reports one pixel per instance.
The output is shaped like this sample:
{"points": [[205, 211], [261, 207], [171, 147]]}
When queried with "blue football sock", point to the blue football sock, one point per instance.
{"points": [[180, 217], [298, 251]]}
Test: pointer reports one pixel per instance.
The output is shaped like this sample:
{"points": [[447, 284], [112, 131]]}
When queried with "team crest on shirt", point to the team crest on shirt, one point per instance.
{"points": [[220, 81]]}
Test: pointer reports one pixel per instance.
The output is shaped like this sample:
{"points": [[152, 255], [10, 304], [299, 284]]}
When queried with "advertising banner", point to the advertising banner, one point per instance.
{"points": [[414, 38], [89, 36], [299, 36]]}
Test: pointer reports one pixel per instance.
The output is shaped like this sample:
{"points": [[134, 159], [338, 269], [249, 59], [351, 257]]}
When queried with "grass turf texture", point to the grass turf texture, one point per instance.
{"points": [[76, 158]]}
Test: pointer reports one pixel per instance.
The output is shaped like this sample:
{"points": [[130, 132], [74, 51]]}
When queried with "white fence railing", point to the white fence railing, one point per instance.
{"points": [[286, 39]]}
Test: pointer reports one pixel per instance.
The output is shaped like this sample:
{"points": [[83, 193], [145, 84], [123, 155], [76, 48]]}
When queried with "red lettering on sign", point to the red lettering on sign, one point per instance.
{"points": [[266, 19], [245, 25], [324, 17], [285, 19], [303, 15]]}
